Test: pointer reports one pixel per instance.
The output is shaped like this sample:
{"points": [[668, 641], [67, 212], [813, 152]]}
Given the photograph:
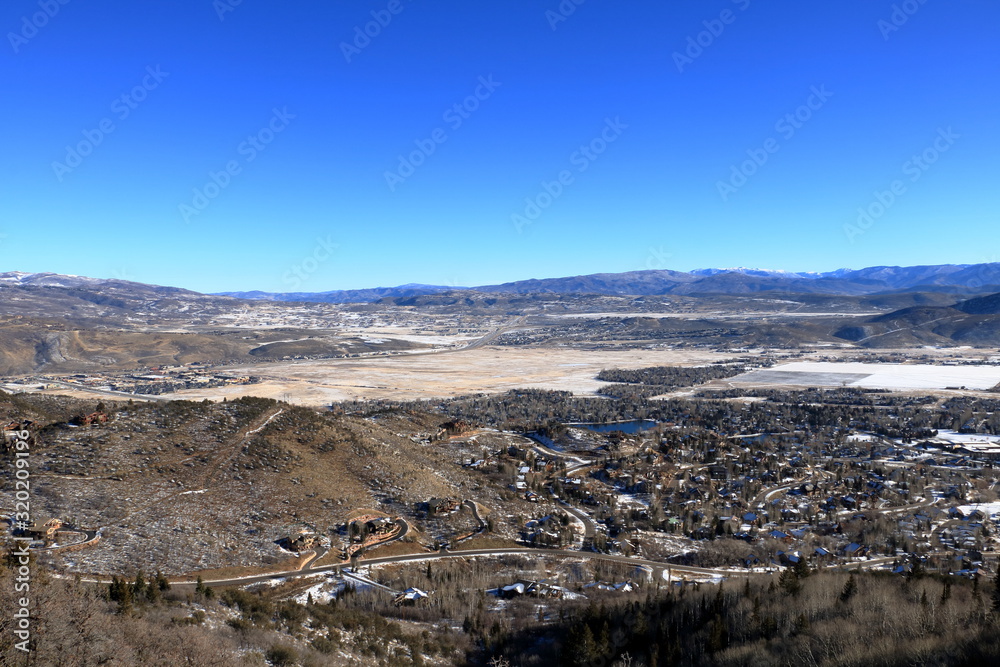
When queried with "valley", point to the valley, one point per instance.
{"points": [[453, 463]]}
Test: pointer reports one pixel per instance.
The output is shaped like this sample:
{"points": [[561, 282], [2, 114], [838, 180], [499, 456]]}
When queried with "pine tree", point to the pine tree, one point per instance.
{"points": [[996, 593], [139, 586], [850, 589], [801, 624], [580, 647], [789, 582], [802, 568]]}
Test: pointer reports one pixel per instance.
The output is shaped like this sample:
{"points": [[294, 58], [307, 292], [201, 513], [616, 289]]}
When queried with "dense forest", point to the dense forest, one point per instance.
{"points": [[656, 380], [797, 618]]}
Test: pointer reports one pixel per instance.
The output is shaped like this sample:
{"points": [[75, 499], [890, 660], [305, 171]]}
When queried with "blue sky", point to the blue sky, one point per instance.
{"points": [[276, 146]]}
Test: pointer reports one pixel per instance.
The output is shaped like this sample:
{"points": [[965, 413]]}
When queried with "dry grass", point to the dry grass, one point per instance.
{"points": [[405, 377], [234, 572], [487, 542]]}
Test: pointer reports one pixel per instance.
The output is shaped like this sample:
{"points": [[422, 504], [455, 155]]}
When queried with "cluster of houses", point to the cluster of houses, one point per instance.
{"points": [[552, 531], [157, 380], [536, 589], [815, 498]]}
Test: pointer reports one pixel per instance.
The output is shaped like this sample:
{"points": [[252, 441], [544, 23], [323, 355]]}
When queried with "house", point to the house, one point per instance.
{"points": [[303, 541], [532, 588], [452, 429], [853, 550], [44, 529], [821, 555], [442, 505], [410, 596], [382, 525], [513, 590], [94, 418], [718, 473]]}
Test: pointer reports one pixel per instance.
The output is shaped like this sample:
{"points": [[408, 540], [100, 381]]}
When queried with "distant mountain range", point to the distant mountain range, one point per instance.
{"points": [[959, 279], [962, 280], [75, 323]]}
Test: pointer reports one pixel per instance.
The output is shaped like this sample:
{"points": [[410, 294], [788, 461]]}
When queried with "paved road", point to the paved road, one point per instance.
{"points": [[474, 506], [468, 553], [108, 393], [589, 525]]}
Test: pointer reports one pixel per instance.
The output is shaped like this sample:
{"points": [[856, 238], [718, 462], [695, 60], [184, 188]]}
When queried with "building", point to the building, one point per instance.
{"points": [[303, 541], [380, 526], [442, 505], [410, 596], [44, 529]]}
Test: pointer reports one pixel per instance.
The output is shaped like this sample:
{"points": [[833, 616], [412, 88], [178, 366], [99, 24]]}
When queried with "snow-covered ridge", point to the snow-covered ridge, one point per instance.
{"points": [[47, 279], [771, 272]]}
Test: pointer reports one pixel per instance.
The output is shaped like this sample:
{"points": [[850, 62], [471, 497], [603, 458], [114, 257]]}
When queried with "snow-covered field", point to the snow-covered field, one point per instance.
{"points": [[875, 376], [968, 438], [989, 509]]}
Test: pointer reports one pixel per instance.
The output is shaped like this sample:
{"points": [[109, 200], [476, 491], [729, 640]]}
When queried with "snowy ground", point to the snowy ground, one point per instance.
{"points": [[876, 376], [992, 510], [968, 438]]}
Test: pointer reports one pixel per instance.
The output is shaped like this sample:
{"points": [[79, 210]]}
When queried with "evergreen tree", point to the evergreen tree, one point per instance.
{"points": [[789, 582], [802, 568], [850, 589], [996, 593], [580, 649], [139, 586]]}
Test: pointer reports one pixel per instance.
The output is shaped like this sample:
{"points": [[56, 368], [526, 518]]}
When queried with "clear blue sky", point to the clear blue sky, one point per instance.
{"points": [[201, 79]]}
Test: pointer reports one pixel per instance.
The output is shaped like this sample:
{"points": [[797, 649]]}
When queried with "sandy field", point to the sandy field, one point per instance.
{"points": [[404, 377]]}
